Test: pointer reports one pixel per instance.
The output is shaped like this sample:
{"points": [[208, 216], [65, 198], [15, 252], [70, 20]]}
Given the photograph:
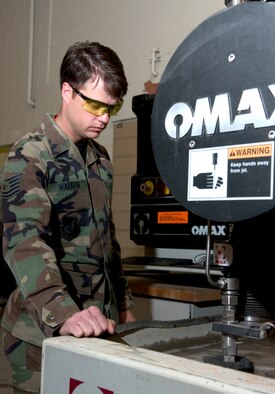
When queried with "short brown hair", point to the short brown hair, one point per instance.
{"points": [[92, 60]]}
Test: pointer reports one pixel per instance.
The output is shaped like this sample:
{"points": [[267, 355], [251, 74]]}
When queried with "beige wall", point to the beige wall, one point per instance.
{"points": [[125, 165], [131, 27]]}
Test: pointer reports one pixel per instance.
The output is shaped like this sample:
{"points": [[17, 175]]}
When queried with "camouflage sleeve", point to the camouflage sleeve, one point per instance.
{"points": [[26, 214]]}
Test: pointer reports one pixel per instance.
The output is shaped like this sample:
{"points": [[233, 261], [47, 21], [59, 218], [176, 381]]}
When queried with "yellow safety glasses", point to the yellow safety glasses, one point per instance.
{"points": [[99, 108]]}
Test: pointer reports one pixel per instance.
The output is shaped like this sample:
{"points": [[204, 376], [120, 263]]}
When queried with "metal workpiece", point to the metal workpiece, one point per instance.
{"points": [[241, 329]]}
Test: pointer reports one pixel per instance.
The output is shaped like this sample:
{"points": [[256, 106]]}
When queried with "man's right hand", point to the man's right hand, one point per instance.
{"points": [[88, 323]]}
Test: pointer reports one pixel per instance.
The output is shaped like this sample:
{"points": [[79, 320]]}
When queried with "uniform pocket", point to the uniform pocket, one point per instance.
{"points": [[72, 208]]}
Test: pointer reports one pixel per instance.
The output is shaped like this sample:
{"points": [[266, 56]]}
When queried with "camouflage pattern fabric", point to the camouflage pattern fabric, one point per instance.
{"points": [[25, 361], [59, 237]]}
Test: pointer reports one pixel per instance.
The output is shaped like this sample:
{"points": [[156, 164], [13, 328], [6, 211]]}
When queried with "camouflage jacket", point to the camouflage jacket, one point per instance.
{"points": [[59, 237]]}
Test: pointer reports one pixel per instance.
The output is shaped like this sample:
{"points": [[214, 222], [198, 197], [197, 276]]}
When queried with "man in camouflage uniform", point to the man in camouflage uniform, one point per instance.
{"points": [[59, 237]]}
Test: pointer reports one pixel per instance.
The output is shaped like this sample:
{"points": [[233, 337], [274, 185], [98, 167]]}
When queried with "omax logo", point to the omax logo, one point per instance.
{"points": [[251, 110]]}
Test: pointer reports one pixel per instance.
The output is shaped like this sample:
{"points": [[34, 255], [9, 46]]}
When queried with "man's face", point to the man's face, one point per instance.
{"points": [[80, 123]]}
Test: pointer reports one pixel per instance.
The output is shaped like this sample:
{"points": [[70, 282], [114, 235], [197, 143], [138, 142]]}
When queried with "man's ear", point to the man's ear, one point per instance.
{"points": [[66, 91]]}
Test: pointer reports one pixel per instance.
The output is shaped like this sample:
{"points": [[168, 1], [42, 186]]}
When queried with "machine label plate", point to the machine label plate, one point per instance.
{"points": [[178, 217], [216, 173]]}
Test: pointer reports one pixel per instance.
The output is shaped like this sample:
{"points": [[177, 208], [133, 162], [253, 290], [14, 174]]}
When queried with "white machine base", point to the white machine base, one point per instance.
{"points": [[99, 366]]}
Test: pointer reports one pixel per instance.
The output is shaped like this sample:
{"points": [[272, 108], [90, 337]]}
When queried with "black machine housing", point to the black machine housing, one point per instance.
{"points": [[157, 219]]}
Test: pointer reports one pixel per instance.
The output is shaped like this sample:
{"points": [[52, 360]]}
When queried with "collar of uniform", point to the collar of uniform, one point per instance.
{"points": [[95, 151], [60, 143]]}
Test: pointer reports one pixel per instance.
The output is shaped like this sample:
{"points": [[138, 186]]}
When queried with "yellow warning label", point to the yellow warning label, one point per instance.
{"points": [[243, 152], [173, 217]]}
